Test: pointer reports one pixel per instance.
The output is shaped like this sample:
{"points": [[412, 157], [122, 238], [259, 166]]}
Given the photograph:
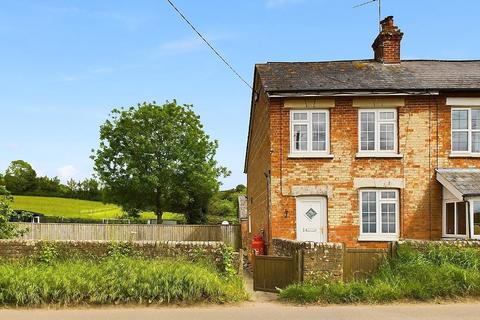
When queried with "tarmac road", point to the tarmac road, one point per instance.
{"points": [[256, 310]]}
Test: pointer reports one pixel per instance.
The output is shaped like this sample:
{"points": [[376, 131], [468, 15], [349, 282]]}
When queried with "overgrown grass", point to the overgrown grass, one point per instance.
{"points": [[115, 280], [439, 271]]}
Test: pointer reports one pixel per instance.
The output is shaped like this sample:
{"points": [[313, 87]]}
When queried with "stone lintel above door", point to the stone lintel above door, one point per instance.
{"points": [[318, 190]]}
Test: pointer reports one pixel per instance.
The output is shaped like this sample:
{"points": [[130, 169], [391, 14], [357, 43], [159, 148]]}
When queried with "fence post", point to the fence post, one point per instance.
{"points": [[344, 258], [240, 262], [299, 264]]}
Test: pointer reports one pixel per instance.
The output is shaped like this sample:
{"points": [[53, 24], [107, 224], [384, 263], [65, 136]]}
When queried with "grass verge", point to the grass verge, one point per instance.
{"points": [[439, 271], [116, 280]]}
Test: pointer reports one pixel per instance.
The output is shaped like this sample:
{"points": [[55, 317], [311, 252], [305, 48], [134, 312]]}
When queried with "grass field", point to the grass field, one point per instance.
{"points": [[74, 208]]}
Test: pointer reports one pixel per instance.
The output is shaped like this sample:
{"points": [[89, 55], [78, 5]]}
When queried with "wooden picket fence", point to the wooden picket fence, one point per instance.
{"points": [[132, 232]]}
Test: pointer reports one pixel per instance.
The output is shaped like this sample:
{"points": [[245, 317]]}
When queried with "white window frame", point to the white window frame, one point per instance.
{"points": [[377, 152], [309, 152], [467, 218], [470, 212], [469, 131], [379, 235]]}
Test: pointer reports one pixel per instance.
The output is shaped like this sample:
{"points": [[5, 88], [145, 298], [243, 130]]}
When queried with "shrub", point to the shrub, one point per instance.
{"points": [[114, 281], [438, 271], [228, 266], [48, 253]]}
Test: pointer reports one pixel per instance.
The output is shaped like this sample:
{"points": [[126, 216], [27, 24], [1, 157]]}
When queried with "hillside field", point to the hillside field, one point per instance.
{"points": [[75, 208]]}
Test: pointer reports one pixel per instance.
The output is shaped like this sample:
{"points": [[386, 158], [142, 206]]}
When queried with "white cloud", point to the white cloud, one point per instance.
{"points": [[278, 3], [67, 172]]}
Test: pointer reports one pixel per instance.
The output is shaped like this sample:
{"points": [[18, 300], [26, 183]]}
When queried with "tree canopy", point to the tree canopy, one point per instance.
{"points": [[159, 158], [7, 229], [225, 203], [20, 177]]}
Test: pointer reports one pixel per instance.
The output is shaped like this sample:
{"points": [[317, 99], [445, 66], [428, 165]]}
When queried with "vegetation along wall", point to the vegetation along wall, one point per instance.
{"points": [[190, 250]]}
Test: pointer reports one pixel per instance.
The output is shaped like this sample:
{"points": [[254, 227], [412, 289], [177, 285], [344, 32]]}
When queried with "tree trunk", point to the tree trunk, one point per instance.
{"points": [[158, 209]]}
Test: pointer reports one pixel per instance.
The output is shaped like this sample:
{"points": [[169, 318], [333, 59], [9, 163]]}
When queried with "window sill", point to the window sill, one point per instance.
{"points": [[464, 155], [378, 238], [452, 237], [310, 155], [378, 155]]}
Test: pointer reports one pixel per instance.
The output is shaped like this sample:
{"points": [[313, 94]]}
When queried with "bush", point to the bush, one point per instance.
{"points": [[114, 280], [438, 271]]}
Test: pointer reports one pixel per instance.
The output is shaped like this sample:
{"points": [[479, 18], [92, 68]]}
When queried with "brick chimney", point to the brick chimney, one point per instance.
{"points": [[387, 44]]}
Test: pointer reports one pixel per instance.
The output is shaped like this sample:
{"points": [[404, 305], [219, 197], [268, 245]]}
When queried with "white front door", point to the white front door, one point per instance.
{"points": [[312, 219]]}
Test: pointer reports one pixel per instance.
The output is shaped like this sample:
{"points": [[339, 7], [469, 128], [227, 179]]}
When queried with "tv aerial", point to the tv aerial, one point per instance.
{"points": [[379, 2]]}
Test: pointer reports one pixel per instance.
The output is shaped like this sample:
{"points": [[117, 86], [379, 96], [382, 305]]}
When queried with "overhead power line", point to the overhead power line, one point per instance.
{"points": [[209, 45]]}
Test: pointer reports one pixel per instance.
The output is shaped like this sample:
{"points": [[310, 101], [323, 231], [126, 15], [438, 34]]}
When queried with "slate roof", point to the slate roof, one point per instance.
{"points": [[465, 181], [369, 75]]}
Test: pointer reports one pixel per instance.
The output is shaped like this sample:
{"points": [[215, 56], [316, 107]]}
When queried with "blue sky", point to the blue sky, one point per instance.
{"points": [[65, 64]]}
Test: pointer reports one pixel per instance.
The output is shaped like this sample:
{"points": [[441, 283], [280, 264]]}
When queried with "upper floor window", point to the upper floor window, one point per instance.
{"points": [[309, 132], [466, 130], [378, 131], [379, 217]]}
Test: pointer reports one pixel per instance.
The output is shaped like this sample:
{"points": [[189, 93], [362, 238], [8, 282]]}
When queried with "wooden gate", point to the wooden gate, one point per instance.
{"points": [[361, 263], [271, 273]]}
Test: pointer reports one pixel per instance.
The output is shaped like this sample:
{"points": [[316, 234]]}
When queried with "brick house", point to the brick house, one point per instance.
{"points": [[365, 152]]}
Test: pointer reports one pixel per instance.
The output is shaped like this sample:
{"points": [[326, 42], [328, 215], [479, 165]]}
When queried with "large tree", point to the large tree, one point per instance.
{"points": [[7, 229], [20, 177], [159, 158]]}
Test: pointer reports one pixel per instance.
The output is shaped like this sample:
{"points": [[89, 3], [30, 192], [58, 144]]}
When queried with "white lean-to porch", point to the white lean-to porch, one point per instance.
{"points": [[460, 203]]}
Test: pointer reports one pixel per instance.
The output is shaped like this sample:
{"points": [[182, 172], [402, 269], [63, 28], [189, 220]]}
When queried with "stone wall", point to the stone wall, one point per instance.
{"points": [[320, 260], [423, 244], [190, 250]]}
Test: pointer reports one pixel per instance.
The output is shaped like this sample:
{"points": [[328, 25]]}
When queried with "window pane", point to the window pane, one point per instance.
{"points": [[450, 217], [369, 212], [388, 218], [461, 218], [387, 115], [476, 218], [367, 131], [300, 137], [319, 131], [475, 119], [388, 195], [475, 141], [386, 136], [459, 119], [460, 141], [300, 116]]}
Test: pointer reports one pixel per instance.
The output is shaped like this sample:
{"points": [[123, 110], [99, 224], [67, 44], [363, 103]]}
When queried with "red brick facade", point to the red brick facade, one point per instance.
{"points": [[423, 140]]}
